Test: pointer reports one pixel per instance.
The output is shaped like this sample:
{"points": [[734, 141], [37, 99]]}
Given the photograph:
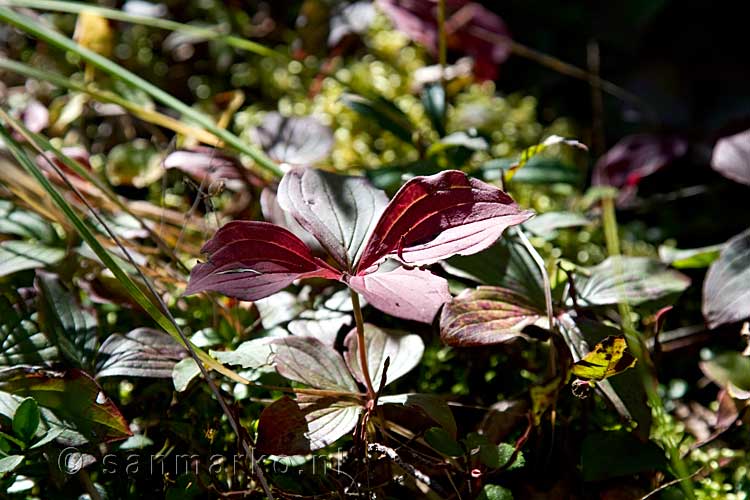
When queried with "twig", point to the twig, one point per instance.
{"points": [[371, 394], [672, 483]]}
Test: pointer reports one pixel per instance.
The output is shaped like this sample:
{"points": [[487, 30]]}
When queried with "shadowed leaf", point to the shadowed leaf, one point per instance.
{"points": [[143, 352], [282, 429], [432, 406], [731, 157], [293, 140]]}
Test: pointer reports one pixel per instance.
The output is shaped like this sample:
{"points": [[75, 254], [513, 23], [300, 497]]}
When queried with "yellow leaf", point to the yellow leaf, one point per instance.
{"points": [[609, 357], [94, 33]]}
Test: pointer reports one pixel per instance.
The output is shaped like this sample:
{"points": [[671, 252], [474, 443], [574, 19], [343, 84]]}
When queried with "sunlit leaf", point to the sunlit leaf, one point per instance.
{"points": [[293, 140], [21, 255], [486, 315], [21, 341], [403, 350], [532, 151], [143, 352], [731, 157], [250, 260], [438, 216], [547, 224], [309, 361], [340, 211], [413, 294], [9, 463], [608, 358], [726, 294], [328, 419], [209, 167], [691, 258]]}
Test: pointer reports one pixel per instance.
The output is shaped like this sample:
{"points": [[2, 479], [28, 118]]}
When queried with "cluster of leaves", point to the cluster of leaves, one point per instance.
{"points": [[450, 338]]}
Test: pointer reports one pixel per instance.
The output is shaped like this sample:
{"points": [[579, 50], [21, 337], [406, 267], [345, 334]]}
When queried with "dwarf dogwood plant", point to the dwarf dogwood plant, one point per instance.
{"points": [[379, 249]]}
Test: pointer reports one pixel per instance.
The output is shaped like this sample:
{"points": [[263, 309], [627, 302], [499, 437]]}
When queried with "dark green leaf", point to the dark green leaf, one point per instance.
{"points": [[496, 456], [605, 455], [72, 329], [384, 113], [433, 407], [442, 441], [26, 420], [433, 100], [495, 492]]}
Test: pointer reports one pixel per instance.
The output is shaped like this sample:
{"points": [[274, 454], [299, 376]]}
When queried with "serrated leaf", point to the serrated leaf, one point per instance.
{"points": [[634, 280], [435, 217], [309, 361], [73, 396], [486, 315], [26, 420], [726, 294], [296, 140], [21, 255], [340, 211], [250, 260], [143, 352], [432, 406], [403, 350]]}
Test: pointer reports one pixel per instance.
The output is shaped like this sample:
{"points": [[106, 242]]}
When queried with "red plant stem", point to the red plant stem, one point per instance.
{"points": [[371, 394]]}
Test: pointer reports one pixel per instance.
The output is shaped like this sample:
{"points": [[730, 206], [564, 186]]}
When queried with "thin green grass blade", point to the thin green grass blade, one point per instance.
{"points": [[33, 28], [153, 22], [83, 230]]}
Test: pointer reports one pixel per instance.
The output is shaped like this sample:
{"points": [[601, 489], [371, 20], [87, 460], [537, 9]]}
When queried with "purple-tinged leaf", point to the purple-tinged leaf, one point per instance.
{"points": [[414, 294], [633, 158], [210, 166], [634, 280], [486, 315], [35, 116], [731, 157], [471, 28], [309, 361], [293, 140], [726, 290], [143, 352], [250, 260], [403, 349], [435, 217], [338, 210], [282, 429]]}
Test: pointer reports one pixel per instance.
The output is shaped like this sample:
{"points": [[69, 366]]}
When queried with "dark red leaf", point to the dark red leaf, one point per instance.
{"points": [[282, 429], [471, 28], [413, 294], [250, 260], [435, 217], [635, 157]]}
